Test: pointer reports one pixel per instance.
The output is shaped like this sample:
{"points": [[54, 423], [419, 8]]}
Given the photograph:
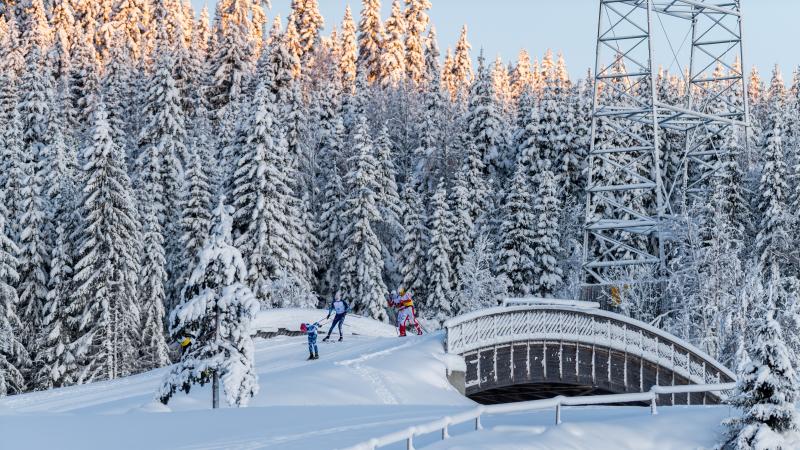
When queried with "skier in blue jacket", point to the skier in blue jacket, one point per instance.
{"points": [[311, 330], [341, 308]]}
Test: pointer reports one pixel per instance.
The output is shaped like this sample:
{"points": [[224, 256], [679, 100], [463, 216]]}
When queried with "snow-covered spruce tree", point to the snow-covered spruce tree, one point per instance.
{"points": [[14, 358], [430, 154], [133, 17], [297, 167], [104, 300], [416, 17], [415, 243], [309, 22], [393, 53], [772, 241], [720, 277], [348, 52], [484, 122], [262, 198], [332, 198], [479, 287], [162, 146], [767, 387], [522, 75], [361, 260], [547, 248], [215, 313], [460, 75], [552, 134], [197, 200], [388, 199], [35, 115], [152, 272], [517, 257], [461, 234], [370, 39], [231, 62], [56, 364], [117, 89], [84, 88], [474, 181], [14, 176], [438, 303]]}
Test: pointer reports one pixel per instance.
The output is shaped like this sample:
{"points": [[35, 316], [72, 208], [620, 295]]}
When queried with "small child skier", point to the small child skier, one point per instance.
{"points": [[311, 330]]}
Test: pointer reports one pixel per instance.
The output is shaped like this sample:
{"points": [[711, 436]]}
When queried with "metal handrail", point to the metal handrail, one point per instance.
{"points": [[474, 415]]}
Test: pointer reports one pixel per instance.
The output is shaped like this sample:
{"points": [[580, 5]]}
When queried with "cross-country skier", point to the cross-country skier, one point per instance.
{"points": [[406, 315], [341, 308], [311, 330]]}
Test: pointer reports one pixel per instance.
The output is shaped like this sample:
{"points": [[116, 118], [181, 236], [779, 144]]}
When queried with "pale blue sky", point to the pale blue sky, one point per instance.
{"points": [[772, 27]]}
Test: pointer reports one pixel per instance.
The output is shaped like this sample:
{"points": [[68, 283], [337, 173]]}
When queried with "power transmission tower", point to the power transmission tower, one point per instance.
{"points": [[640, 182]]}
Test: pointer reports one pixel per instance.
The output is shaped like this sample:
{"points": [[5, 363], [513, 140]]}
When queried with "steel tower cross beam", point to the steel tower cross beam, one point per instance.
{"points": [[638, 187]]}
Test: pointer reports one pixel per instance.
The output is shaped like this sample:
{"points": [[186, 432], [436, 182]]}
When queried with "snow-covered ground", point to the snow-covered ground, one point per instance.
{"points": [[371, 384]]}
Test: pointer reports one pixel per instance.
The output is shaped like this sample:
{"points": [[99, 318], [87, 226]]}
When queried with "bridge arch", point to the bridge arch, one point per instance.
{"points": [[540, 350]]}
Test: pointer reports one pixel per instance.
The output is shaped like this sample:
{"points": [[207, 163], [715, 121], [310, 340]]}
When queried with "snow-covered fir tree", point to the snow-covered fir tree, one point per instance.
{"points": [[416, 17], [547, 248], [370, 39], [309, 23], [484, 122], [520, 241], [772, 241], [392, 56], [438, 302], [415, 243], [35, 114], [767, 387], [14, 358], [215, 313], [479, 286], [348, 52], [262, 197], [361, 260], [461, 73], [104, 304], [332, 198]]}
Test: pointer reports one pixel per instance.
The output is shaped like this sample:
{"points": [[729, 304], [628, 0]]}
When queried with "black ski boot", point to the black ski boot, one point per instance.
{"points": [[310, 357], [316, 355], [326, 339], [341, 338]]}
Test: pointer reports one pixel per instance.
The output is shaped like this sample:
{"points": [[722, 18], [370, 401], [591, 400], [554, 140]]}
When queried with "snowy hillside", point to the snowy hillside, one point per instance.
{"points": [[371, 384], [368, 384]]}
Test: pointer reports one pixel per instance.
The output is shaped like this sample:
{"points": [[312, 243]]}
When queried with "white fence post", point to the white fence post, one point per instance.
{"points": [[410, 442], [558, 413], [478, 425], [653, 405]]}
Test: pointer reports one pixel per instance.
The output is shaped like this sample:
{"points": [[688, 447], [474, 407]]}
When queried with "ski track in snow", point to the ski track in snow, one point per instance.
{"points": [[371, 375]]}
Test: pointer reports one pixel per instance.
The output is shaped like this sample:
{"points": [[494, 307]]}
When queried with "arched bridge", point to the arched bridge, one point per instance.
{"points": [[515, 353]]}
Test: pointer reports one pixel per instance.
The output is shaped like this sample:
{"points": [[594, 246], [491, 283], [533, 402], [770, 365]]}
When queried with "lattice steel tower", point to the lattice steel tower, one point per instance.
{"points": [[652, 156]]}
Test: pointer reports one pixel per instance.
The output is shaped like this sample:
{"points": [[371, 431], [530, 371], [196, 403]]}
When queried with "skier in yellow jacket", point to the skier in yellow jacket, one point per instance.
{"points": [[406, 314]]}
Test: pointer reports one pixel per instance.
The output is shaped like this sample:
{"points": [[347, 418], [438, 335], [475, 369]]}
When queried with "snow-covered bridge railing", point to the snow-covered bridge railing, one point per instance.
{"points": [[442, 426], [574, 346]]}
